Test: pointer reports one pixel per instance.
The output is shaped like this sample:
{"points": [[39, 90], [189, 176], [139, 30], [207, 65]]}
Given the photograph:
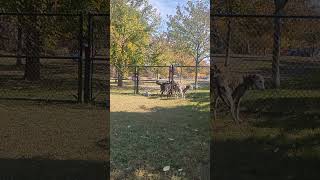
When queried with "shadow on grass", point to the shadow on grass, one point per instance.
{"points": [[252, 159], [290, 154], [297, 75], [45, 169], [39, 100], [291, 113], [151, 140]]}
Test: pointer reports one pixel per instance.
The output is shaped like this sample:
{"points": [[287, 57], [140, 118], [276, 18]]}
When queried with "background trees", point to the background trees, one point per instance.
{"points": [[189, 29], [37, 35], [132, 23]]}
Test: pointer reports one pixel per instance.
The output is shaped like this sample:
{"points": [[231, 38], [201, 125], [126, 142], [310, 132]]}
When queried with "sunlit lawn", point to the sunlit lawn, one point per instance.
{"points": [[149, 133]]}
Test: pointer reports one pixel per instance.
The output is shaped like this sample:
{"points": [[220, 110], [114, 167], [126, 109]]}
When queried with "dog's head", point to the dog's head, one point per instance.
{"points": [[257, 80]]}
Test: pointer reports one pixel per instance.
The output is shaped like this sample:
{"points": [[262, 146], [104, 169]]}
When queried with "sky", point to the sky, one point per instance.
{"points": [[166, 7]]}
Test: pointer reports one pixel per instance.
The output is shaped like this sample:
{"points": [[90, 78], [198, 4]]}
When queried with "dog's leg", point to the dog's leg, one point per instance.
{"points": [[179, 90], [215, 106], [215, 103], [226, 96], [161, 91], [237, 110]]}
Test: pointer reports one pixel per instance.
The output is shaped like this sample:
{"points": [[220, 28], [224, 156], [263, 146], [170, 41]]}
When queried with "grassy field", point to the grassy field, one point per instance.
{"points": [[149, 133], [279, 139]]}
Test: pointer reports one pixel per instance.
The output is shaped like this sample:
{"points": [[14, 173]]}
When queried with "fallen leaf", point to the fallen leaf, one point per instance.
{"points": [[166, 168]]}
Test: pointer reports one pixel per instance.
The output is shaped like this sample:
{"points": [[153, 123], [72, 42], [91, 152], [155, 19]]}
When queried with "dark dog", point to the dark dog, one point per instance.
{"points": [[173, 87], [165, 88]]}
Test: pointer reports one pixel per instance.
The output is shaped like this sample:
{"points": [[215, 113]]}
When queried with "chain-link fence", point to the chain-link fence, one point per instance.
{"points": [[100, 69], [141, 79], [54, 56], [244, 44]]}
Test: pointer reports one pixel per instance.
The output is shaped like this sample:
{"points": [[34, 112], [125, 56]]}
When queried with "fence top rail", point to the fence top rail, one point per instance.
{"points": [[240, 56], [41, 57], [264, 16], [37, 14], [50, 14], [163, 66]]}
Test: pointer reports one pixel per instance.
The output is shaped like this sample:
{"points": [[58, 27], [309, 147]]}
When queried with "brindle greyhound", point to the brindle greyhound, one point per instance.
{"points": [[232, 97]]}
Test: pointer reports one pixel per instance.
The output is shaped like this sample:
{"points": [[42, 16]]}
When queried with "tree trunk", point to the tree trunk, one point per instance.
{"points": [[120, 78], [19, 41], [226, 63], [32, 69], [196, 75], [228, 40], [276, 53]]}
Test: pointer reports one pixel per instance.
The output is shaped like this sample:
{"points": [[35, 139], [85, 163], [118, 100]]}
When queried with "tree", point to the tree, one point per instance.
{"points": [[131, 28], [29, 27], [189, 29]]}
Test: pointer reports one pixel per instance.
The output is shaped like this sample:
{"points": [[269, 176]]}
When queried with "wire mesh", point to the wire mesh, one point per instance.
{"points": [[100, 61], [149, 75], [39, 57], [251, 51], [42, 57]]}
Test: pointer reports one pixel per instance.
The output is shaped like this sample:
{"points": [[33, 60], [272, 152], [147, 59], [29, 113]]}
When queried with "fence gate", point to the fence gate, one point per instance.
{"points": [[97, 63]]}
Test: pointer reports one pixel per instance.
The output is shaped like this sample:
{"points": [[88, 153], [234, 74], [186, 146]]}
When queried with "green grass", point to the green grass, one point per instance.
{"points": [[149, 133], [279, 140]]}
